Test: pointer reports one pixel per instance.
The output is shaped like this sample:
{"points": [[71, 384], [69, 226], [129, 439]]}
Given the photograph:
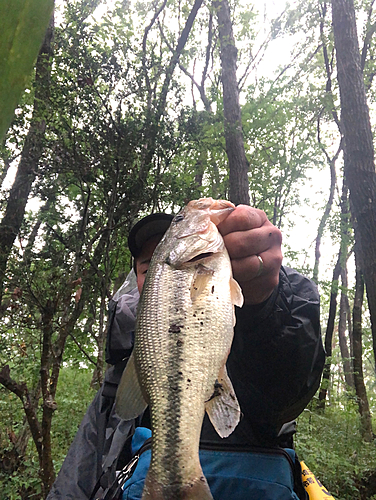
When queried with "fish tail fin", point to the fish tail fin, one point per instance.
{"points": [[197, 489]]}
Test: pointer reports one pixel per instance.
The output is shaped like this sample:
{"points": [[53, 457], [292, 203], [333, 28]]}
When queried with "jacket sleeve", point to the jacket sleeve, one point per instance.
{"points": [[277, 355]]}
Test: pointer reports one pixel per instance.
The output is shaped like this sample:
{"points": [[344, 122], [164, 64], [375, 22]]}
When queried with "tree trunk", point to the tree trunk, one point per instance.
{"points": [[360, 388], [31, 154], [238, 164], [329, 334], [344, 311], [331, 161], [358, 151]]}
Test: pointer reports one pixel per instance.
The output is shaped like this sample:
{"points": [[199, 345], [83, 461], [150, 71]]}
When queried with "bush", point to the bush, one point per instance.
{"points": [[330, 444]]}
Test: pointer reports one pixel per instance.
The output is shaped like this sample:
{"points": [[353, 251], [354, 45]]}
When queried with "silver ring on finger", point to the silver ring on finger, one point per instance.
{"points": [[261, 266]]}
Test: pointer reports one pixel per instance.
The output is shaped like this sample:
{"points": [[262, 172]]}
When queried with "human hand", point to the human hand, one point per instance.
{"points": [[247, 233]]}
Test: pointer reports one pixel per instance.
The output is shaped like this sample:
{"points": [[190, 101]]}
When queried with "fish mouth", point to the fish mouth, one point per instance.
{"points": [[201, 256], [186, 263]]}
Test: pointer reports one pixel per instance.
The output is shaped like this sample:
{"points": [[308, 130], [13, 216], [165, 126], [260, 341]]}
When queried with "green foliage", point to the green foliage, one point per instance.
{"points": [[24, 24], [72, 401], [330, 445], [279, 129], [24, 483], [74, 397]]}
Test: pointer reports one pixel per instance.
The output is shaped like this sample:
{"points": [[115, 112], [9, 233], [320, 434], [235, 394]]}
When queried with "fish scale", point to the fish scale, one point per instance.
{"points": [[173, 418], [183, 336]]}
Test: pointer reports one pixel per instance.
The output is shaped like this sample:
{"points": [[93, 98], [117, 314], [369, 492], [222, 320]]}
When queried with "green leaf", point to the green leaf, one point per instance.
{"points": [[24, 24]]}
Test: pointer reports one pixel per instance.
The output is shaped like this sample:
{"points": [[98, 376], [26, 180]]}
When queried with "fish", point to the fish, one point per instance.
{"points": [[183, 336]]}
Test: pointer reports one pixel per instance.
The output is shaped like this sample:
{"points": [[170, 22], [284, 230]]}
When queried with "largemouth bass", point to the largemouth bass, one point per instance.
{"points": [[183, 336]]}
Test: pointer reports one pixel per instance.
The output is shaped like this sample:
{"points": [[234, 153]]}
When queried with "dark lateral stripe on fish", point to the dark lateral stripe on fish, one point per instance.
{"points": [[177, 384], [174, 405]]}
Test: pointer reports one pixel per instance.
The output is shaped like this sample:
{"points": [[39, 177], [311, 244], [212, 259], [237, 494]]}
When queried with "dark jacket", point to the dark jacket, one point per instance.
{"points": [[275, 366]]}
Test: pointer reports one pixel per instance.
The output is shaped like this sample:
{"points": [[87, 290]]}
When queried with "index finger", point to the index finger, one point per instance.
{"points": [[242, 218]]}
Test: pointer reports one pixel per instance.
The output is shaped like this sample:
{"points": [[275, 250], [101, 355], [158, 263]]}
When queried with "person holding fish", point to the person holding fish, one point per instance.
{"points": [[225, 352]]}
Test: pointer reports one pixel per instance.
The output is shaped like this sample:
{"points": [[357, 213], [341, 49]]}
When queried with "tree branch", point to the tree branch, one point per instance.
{"points": [[144, 41], [200, 88], [22, 392]]}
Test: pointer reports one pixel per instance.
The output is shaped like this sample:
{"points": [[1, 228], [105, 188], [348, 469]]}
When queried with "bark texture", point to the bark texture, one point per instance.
{"points": [[358, 151], [238, 164], [360, 388]]}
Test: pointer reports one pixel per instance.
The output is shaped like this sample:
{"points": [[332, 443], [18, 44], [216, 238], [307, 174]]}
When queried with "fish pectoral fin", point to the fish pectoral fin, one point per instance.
{"points": [[223, 408], [236, 293], [237, 298], [129, 402], [201, 278]]}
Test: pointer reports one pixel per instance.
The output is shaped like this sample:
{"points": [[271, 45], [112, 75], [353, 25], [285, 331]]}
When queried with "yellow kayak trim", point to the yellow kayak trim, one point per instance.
{"points": [[315, 490]]}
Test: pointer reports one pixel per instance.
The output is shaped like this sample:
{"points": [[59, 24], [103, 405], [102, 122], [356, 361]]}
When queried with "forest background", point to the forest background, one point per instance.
{"points": [[130, 110]]}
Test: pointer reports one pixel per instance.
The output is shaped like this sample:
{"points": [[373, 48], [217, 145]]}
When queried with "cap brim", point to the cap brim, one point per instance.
{"points": [[146, 228]]}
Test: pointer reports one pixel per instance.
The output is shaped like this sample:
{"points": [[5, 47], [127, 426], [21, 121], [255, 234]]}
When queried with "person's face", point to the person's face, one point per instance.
{"points": [[143, 260]]}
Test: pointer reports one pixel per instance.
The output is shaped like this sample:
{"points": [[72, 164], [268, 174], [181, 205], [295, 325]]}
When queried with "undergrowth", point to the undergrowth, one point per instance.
{"points": [[19, 479], [330, 444]]}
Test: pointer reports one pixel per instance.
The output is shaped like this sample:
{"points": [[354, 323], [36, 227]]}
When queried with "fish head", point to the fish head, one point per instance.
{"points": [[193, 232]]}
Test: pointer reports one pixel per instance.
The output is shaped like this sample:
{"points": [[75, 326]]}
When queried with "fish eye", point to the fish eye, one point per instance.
{"points": [[179, 218]]}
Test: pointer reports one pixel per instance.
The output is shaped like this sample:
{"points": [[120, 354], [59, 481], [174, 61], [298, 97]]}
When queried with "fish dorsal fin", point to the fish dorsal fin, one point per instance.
{"points": [[201, 278], [223, 408], [130, 402]]}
